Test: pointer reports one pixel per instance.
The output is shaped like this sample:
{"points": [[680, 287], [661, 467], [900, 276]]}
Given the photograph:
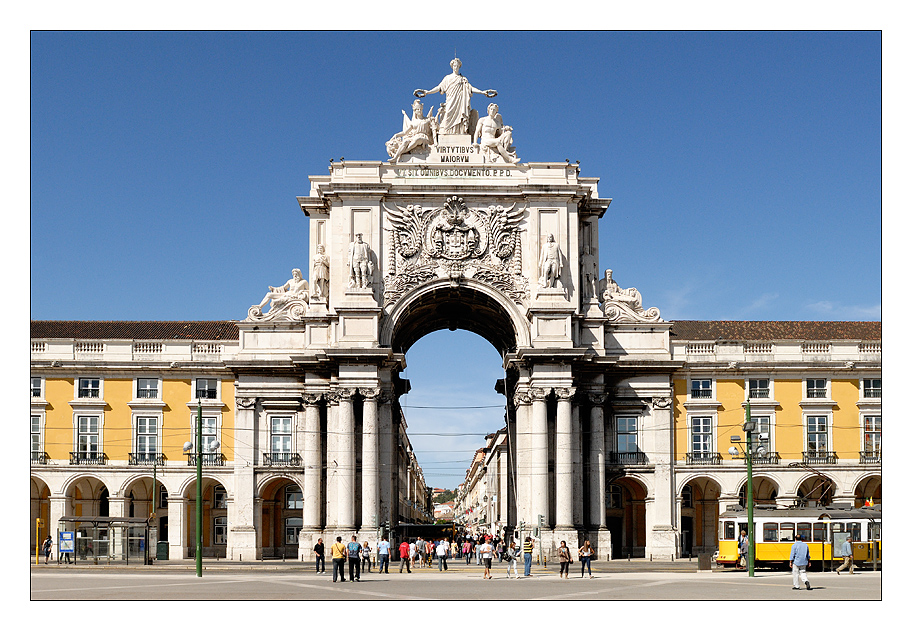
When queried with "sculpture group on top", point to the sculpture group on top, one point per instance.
{"points": [[625, 305], [454, 117], [288, 301]]}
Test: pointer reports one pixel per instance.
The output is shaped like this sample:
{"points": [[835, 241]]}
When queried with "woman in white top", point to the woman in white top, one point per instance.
{"points": [[585, 557]]}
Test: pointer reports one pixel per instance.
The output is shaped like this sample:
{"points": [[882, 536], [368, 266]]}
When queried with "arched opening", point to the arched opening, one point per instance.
{"points": [[765, 492], [39, 508], [699, 503], [215, 519], [626, 517], [283, 510], [816, 491], [868, 490]]}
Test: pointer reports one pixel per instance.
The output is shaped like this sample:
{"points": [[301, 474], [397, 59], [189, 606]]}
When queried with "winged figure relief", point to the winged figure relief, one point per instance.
{"points": [[504, 223], [407, 228]]}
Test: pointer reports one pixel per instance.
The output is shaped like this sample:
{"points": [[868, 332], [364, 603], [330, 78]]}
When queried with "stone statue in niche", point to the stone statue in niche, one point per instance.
{"points": [[625, 305], [290, 300], [419, 131], [495, 140], [319, 275], [360, 264], [456, 113], [549, 263], [589, 273]]}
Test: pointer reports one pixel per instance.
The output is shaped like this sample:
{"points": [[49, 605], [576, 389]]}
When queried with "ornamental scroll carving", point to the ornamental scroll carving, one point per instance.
{"points": [[625, 305], [454, 241]]}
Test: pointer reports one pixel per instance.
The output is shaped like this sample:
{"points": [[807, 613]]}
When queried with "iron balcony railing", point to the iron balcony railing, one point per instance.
{"points": [[819, 457], [816, 393], [703, 457], [39, 457], [869, 457], [626, 458], [143, 458], [872, 393], [281, 459], [88, 457], [208, 460], [147, 393], [701, 393]]}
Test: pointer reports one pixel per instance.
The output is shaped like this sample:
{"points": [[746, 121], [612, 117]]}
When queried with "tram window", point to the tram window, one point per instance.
{"points": [[804, 528], [729, 530], [819, 532], [771, 532], [873, 532], [855, 529], [786, 532]]}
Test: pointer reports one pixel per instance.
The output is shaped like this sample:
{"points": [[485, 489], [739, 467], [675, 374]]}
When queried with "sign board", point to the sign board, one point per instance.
{"points": [[67, 542]]}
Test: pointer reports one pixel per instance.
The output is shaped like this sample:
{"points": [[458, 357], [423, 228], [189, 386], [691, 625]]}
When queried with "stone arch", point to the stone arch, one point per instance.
{"points": [[626, 516], [698, 496], [816, 488], [278, 516], [766, 490], [39, 507], [867, 486], [470, 305], [215, 515]]}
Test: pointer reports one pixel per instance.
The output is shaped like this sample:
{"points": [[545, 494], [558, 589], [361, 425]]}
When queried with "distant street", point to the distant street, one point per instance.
{"points": [[617, 580]]}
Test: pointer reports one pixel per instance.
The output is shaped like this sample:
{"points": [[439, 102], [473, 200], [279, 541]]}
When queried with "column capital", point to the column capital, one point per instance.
{"points": [[374, 394], [661, 403], [246, 403], [312, 399], [522, 397], [564, 394], [597, 398], [539, 394]]}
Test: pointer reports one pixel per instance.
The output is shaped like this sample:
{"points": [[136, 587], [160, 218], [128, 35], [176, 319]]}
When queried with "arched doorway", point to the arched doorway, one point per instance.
{"points": [[626, 517], [215, 518], [39, 508], [699, 501], [282, 504]]}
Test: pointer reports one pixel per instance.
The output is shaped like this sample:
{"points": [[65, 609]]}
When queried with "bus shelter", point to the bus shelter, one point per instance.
{"points": [[108, 539]]}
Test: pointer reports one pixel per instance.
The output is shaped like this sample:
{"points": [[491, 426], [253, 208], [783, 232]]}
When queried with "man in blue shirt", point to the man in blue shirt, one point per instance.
{"points": [[847, 558], [799, 559], [383, 556], [354, 560]]}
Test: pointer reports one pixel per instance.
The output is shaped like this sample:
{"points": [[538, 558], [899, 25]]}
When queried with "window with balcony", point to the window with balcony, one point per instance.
{"points": [[758, 388], [89, 388], [701, 441], [146, 441], [817, 436], [871, 453], [816, 389], [147, 388], [280, 442], [87, 438], [207, 388], [871, 388], [37, 451], [701, 389]]}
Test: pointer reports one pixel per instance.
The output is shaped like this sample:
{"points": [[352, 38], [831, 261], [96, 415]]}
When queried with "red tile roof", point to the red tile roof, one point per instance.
{"points": [[751, 330], [134, 330]]}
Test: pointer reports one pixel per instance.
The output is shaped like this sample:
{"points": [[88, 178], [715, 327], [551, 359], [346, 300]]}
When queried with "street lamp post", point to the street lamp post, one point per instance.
{"points": [[188, 446], [749, 427]]}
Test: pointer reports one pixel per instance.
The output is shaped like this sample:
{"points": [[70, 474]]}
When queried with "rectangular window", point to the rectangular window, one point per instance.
{"points": [[219, 497], [89, 388], [872, 435], [36, 438], [36, 387], [627, 434], [759, 388], [613, 496], [728, 530], [701, 435], [220, 531], [87, 436], [816, 435], [163, 497], [210, 433], [280, 437], [763, 429], [293, 527], [816, 388], [146, 388], [771, 532], [804, 529], [872, 388], [701, 389], [819, 532], [786, 532], [207, 388], [294, 498], [147, 435]]}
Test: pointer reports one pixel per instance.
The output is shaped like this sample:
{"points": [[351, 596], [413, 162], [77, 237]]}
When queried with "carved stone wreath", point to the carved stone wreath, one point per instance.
{"points": [[454, 241]]}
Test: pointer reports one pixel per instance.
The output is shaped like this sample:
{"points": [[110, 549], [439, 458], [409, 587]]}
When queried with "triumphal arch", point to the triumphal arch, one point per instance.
{"points": [[454, 230]]}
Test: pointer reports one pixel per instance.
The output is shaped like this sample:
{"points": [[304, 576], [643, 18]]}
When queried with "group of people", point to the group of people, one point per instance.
{"points": [[585, 554]]}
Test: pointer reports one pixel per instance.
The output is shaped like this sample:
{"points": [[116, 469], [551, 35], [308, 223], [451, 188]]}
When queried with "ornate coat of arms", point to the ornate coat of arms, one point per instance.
{"points": [[455, 241]]}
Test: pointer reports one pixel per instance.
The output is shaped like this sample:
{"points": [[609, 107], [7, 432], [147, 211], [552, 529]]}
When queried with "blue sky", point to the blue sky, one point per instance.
{"points": [[744, 168]]}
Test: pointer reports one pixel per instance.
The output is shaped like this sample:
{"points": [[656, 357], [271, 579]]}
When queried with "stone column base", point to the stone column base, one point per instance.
{"points": [[662, 544], [242, 544]]}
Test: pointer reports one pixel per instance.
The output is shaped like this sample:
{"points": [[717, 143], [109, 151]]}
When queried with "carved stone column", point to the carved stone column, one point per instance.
{"points": [[370, 455], [313, 462], [178, 535], [597, 477], [539, 455], [663, 536], [345, 457], [387, 466], [242, 524], [563, 459], [522, 401]]}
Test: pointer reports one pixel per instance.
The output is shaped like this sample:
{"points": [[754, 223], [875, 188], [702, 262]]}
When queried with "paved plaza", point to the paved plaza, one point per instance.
{"points": [[617, 580]]}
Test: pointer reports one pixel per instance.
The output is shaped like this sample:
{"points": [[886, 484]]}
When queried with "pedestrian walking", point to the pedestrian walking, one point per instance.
{"points": [[585, 557], [467, 550], [339, 555], [743, 544], [320, 556], [486, 552], [799, 558], [383, 556], [510, 557], [354, 560], [528, 545], [848, 557], [404, 558], [413, 554], [442, 549], [366, 557], [46, 548], [566, 558]]}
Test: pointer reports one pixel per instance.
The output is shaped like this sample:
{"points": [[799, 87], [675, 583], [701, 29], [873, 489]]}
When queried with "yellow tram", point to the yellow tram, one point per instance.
{"points": [[824, 528]]}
